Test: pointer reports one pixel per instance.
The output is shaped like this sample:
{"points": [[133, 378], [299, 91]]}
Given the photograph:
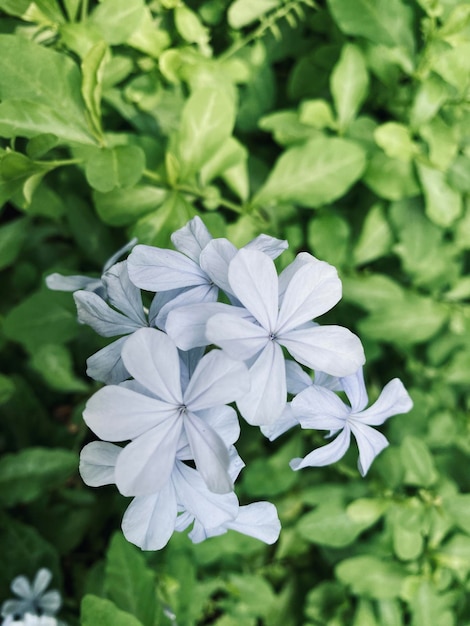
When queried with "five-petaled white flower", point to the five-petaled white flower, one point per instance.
{"points": [[33, 598]]}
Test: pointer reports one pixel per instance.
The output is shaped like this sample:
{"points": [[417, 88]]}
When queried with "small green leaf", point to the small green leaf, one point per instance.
{"points": [[189, 26], [395, 140], [372, 292], [118, 167], [371, 577], [12, 237], [391, 179], [349, 82], [118, 19], [458, 175], [316, 113], [243, 12], [93, 66], [94, 611], [26, 475], [125, 206], [7, 388], [54, 363], [328, 237], [330, 525], [286, 127], [313, 174], [376, 237], [418, 462], [443, 204]]}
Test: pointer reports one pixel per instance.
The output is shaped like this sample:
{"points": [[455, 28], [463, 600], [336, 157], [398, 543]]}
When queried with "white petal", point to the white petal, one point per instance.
{"points": [[240, 338], [286, 275], [266, 400], [151, 357], [253, 279], [217, 380], [297, 378], [355, 389], [193, 296], [97, 463], [369, 442], [210, 454], [50, 602], [93, 311], [259, 520], [123, 294], [269, 245], [41, 581], [314, 289], [331, 349], [145, 464], [187, 325], [188, 363], [106, 365], [155, 269], [22, 587], [326, 380], [281, 425], [224, 421], [121, 252], [150, 520], [320, 408], [325, 455], [118, 414], [58, 282], [394, 400], [215, 260], [192, 238]]}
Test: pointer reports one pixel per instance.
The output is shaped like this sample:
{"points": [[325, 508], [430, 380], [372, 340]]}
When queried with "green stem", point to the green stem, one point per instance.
{"points": [[84, 10], [60, 163], [153, 176]]}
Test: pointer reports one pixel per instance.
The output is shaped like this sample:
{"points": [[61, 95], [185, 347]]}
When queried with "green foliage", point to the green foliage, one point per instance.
{"points": [[343, 126]]}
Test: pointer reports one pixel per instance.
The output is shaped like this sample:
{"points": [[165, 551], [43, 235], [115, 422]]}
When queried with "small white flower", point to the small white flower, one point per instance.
{"points": [[33, 598]]}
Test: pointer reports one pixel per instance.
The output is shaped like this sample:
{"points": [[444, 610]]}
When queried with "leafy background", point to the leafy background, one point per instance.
{"points": [[341, 125]]}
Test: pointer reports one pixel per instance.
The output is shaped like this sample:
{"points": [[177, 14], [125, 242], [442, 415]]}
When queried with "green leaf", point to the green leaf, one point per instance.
{"points": [[314, 174], [32, 80], [275, 466], [430, 96], [189, 26], [206, 123], [125, 206], [371, 577], [93, 66], [443, 204], [364, 615], [330, 525], [40, 145], [458, 175], [455, 555], [367, 510], [94, 611], [129, 583], [395, 140], [252, 596], [230, 154], [243, 12], [40, 11], [458, 508], [44, 317], [453, 65], [116, 20], [12, 237], [54, 364], [7, 388], [418, 462], [407, 530], [287, 128], [328, 237], [316, 113], [372, 292], [386, 22], [391, 179], [375, 239], [430, 607], [26, 475], [118, 167], [348, 83]]}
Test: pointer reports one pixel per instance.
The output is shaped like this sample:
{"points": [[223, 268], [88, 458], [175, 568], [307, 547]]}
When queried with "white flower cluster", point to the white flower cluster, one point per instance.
{"points": [[168, 388], [34, 605]]}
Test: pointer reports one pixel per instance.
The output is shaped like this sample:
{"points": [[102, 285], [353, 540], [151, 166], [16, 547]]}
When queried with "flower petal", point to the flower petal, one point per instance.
{"points": [[303, 258], [253, 279], [269, 245], [325, 455], [239, 337], [149, 521], [369, 442], [217, 380], [281, 425], [394, 400], [41, 581], [191, 297], [151, 357], [97, 463], [355, 389], [58, 282], [331, 349], [121, 252], [224, 421], [22, 587], [259, 520], [192, 238], [215, 260], [145, 464], [320, 408], [93, 311], [123, 294], [106, 365], [155, 269], [266, 400], [50, 602], [210, 454], [117, 414], [297, 378], [314, 289]]}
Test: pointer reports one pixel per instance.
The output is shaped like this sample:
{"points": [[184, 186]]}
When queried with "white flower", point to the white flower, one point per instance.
{"points": [[320, 408], [157, 414], [33, 597]]}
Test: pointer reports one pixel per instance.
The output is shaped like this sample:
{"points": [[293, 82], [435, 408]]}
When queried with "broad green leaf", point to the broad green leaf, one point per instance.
{"points": [[32, 80], [316, 113], [206, 124], [93, 66], [371, 577], [12, 237], [386, 22], [458, 507], [407, 530], [391, 179], [189, 26], [94, 611], [443, 204], [364, 615], [430, 96], [230, 154], [458, 174], [372, 292], [395, 140], [376, 237], [54, 364], [328, 236], [455, 555], [252, 595], [348, 83], [26, 475], [330, 525], [111, 168], [313, 174], [40, 145], [125, 206], [453, 65], [367, 510], [286, 127], [243, 12], [118, 19], [42, 318], [44, 12], [430, 607], [443, 142], [150, 37], [129, 583], [418, 463]]}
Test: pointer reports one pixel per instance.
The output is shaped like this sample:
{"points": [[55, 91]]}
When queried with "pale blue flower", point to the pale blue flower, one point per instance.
{"points": [[320, 408], [157, 414], [195, 272], [29, 619], [33, 597], [59, 282], [281, 311]]}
